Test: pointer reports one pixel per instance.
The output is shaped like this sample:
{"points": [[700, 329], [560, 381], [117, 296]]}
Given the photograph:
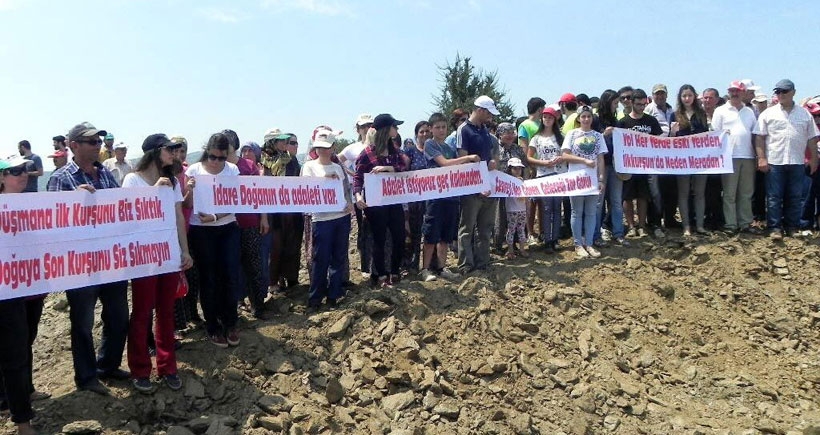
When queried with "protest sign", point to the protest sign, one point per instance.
{"points": [[575, 183], [387, 188], [640, 153], [55, 241], [261, 194]]}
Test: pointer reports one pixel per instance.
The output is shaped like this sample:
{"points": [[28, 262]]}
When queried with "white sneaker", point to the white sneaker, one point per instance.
{"points": [[633, 232], [449, 276], [594, 253], [427, 276], [532, 240], [606, 235], [641, 232], [580, 252]]}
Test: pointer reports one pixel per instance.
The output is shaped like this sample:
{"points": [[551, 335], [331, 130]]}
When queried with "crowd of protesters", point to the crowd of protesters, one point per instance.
{"points": [[237, 261]]}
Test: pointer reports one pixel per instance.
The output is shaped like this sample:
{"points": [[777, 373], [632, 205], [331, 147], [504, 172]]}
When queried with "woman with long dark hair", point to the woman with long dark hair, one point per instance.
{"points": [[215, 246], [614, 189], [156, 168], [690, 118], [382, 156], [16, 335], [544, 153]]}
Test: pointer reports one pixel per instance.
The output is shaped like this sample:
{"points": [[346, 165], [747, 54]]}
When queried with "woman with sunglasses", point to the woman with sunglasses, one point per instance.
{"points": [[16, 336], [382, 156], [584, 148], [156, 168], [690, 118], [215, 246]]}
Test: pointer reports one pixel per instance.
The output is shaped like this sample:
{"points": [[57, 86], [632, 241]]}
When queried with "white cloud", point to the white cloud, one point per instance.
{"points": [[221, 15], [321, 7]]}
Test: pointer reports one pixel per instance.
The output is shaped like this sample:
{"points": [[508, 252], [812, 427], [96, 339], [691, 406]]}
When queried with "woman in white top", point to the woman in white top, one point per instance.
{"points": [[544, 153], [149, 293], [215, 247], [585, 148]]}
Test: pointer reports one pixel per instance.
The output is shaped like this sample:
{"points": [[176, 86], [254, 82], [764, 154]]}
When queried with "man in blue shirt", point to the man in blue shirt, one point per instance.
{"points": [[85, 172], [477, 210]]}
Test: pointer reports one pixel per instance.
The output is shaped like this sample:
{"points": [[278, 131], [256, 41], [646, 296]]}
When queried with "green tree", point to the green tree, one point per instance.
{"points": [[462, 82]]}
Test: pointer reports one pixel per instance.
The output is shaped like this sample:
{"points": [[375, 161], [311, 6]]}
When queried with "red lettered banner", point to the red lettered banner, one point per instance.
{"points": [[262, 194], [575, 183], [387, 188], [56, 241], [640, 153]]}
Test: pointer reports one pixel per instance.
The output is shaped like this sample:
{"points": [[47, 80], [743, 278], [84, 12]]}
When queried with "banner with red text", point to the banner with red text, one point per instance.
{"points": [[387, 188], [56, 241], [575, 183], [262, 194], [641, 153]]}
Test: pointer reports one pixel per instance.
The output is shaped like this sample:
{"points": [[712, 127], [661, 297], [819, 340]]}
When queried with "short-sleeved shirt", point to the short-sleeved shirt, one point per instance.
{"points": [[645, 124], [35, 165], [547, 148], [569, 124], [585, 144], [739, 124], [119, 170], [528, 129], [230, 170], [475, 139], [351, 153], [70, 176], [133, 179], [433, 149], [417, 158], [315, 169], [786, 134]]}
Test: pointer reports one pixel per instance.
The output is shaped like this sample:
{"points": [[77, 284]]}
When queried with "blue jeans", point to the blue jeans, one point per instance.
{"points": [[329, 250], [784, 196], [584, 217], [114, 299], [615, 192], [216, 252]]}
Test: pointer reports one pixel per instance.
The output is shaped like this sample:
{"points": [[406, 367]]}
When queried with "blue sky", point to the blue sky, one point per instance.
{"points": [[194, 67]]}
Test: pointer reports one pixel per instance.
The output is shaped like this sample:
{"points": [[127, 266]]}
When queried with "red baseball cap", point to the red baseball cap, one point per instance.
{"points": [[550, 111], [813, 108], [737, 84], [567, 98]]}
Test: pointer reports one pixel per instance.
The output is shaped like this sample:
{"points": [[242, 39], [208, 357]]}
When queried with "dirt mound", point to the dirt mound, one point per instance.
{"points": [[719, 335]]}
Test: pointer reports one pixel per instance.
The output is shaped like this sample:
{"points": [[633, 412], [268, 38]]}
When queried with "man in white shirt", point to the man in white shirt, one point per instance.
{"points": [[786, 135], [118, 166], [738, 187]]}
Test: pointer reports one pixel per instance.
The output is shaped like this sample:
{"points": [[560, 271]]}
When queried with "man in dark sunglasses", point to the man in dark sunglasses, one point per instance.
{"points": [[786, 147], [84, 172]]}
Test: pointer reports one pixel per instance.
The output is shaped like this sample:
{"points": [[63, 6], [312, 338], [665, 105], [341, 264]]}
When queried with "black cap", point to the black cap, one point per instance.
{"points": [[156, 141], [58, 138], [385, 120]]}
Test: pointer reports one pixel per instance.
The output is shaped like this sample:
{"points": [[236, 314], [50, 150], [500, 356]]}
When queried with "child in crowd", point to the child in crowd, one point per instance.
{"points": [[516, 213], [438, 227]]}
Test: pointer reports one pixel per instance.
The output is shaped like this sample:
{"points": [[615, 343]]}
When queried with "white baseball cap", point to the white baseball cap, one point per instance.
{"points": [[750, 85], [323, 138], [120, 145], [364, 118], [760, 98], [486, 102]]}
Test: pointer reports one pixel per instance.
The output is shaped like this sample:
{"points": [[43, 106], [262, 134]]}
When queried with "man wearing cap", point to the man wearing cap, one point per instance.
{"points": [[34, 168], [785, 134], [107, 150], [84, 172], [60, 158], [738, 187], [568, 105], [118, 166], [749, 94], [760, 103], [477, 210]]}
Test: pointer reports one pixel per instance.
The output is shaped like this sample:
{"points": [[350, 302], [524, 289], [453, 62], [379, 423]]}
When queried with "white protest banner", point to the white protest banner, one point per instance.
{"points": [[262, 194], [575, 183], [56, 241], [641, 153], [387, 188]]}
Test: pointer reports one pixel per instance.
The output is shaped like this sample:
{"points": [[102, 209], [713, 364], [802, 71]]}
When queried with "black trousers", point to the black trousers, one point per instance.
{"points": [[14, 359]]}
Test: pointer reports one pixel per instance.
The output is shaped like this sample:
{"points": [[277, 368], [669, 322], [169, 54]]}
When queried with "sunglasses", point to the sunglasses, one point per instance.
{"points": [[293, 142], [626, 97], [173, 147], [91, 141], [780, 91], [212, 158], [16, 171]]}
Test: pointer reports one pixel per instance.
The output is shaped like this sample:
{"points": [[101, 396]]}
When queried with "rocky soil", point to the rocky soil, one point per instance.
{"points": [[713, 336]]}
